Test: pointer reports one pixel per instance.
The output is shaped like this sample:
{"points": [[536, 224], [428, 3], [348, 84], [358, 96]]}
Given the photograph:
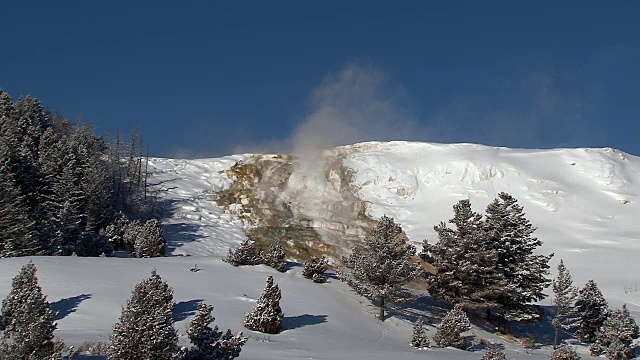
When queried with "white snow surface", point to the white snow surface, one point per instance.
{"points": [[584, 203]]}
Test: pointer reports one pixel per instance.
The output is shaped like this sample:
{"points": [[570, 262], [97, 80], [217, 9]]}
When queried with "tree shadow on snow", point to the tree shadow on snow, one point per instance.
{"points": [[65, 306], [542, 330], [292, 265], [184, 309], [294, 322], [429, 309], [177, 234]]}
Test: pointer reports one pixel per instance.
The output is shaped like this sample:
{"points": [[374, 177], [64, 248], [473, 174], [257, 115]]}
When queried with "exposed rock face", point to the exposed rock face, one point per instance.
{"points": [[310, 208]]}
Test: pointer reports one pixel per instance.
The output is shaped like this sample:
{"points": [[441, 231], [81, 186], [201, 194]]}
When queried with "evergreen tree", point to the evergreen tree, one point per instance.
{"points": [[419, 338], [274, 257], [565, 296], [17, 233], [382, 265], [452, 326], [525, 272], [246, 254], [267, 315], [208, 343], [150, 241], [615, 337], [115, 231], [592, 310], [564, 352], [131, 234], [28, 321], [145, 330], [315, 268], [465, 265], [493, 353]]}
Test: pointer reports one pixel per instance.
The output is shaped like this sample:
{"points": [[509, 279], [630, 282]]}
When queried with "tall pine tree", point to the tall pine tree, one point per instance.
{"points": [[382, 265], [465, 265], [524, 271], [564, 298]]}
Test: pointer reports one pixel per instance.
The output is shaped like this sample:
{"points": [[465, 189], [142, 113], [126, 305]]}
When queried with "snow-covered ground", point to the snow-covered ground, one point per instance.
{"points": [[583, 201]]}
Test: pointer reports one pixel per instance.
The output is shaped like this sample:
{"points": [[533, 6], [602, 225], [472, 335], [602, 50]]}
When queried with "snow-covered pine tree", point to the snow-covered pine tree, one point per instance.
{"points": [[145, 330], [131, 233], [210, 343], [615, 337], [150, 241], [246, 254], [315, 268], [115, 231], [450, 329], [17, 234], [267, 316], [274, 257], [419, 338], [592, 310], [564, 298], [524, 271], [564, 352], [66, 211], [465, 265], [382, 265], [493, 353], [28, 321]]}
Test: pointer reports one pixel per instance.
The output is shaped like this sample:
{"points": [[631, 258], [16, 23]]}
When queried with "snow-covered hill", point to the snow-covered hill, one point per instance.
{"points": [[584, 202]]}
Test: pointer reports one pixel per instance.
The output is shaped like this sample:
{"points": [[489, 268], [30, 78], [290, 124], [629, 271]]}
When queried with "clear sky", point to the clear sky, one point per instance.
{"points": [[209, 78]]}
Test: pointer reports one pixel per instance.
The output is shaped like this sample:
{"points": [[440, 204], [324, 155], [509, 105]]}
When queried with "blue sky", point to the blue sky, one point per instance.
{"points": [[206, 78]]}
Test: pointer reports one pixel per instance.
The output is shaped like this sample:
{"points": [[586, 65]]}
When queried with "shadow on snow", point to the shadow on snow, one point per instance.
{"points": [[184, 309], [65, 306]]}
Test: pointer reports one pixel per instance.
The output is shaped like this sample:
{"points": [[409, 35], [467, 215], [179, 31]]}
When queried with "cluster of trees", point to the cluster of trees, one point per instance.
{"points": [[585, 314], [62, 184], [486, 263], [489, 262], [249, 254], [145, 329]]}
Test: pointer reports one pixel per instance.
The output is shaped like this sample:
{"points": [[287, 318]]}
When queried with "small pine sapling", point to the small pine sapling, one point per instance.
{"points": [[274, 257], [419, 339], [564, 352], [210, 343], [246, 254], [267, 316], [452, 326], [315, 268], [494, 353], [529, 343], [615, 337]]}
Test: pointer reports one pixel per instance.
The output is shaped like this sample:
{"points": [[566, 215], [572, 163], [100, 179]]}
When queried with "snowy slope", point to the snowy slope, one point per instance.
{"points": [[583, 201], [322, 321], [193, 223]]}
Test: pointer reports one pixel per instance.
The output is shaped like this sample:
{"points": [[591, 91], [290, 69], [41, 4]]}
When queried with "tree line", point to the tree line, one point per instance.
{"points": [[67, 190]]}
